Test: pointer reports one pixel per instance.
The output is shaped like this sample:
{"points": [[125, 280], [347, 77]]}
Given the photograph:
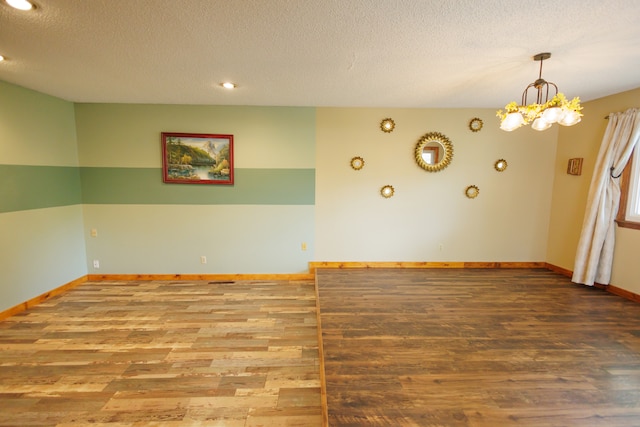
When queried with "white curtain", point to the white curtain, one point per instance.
{"points": [[594, 255]]}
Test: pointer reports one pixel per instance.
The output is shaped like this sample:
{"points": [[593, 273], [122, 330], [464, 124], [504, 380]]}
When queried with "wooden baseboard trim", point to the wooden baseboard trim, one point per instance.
{"points": [[41, 298], [559, 270], [313, 266], [609, 288], [208, 277], [623, 293]]}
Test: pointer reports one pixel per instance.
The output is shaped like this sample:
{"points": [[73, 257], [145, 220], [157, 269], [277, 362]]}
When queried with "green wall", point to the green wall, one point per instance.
{"points": [[26, 187], [70, 168], [41, 223], [145, 186], [256, 226]]}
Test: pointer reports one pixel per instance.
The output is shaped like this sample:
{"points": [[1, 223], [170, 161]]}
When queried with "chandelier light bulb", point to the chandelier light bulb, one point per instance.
{"points": [[512, 122], [552, 114], [570, 118], [20, 4], [540, 124]]}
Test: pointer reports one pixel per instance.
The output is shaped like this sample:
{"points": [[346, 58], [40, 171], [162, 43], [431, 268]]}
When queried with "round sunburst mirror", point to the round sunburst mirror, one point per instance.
{"points": [[433, 152], [357, 163], [475, 124], [472, 191], [387, 125], [500, 165], [387, 191]]}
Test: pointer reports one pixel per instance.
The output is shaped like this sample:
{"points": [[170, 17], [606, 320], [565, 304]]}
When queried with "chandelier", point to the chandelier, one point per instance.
{"points": [[544, 112]]}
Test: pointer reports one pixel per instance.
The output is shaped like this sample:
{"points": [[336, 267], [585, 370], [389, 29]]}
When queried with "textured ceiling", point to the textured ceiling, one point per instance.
{"points": [[365, 53]]}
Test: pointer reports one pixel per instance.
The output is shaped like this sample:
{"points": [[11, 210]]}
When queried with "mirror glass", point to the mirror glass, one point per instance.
{"points": [[433, 152]]}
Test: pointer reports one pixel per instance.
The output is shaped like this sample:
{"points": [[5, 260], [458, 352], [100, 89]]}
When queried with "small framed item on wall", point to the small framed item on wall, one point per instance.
{"points": [[575, 166], [195, 158]]}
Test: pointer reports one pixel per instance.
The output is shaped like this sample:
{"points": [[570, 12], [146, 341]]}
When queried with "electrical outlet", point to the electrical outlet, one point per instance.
{"points": [[303, 246], [96, 263], [94, 232], [203, 259], [441, 246]]}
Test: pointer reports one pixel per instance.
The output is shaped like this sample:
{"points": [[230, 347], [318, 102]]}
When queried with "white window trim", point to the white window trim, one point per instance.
{"points": [[633, 198]]}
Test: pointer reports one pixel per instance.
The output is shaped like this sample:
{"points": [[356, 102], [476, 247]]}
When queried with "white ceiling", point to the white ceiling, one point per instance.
{"points": [[361, 53]]}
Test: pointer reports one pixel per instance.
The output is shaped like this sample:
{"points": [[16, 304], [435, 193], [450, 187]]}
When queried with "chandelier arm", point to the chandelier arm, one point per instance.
{"points": [[525, 94], [539, 98]]}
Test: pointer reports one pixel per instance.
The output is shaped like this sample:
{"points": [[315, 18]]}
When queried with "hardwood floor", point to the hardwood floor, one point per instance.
{"points": [[476, 348], [414, 347], [164, 354]]}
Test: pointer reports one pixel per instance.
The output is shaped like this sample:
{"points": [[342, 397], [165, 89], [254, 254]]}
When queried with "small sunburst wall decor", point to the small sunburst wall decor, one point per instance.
{"points": [[387, 125]]}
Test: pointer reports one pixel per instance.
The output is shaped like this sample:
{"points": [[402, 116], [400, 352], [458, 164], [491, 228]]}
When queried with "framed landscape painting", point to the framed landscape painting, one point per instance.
{"points": [[194, 158]]}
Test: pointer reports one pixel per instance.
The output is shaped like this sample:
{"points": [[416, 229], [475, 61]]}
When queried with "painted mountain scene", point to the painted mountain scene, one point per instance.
{"points": [[197, 158]]}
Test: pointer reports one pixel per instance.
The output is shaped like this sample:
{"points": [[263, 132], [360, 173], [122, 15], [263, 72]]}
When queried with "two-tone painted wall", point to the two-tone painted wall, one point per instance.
{"points": [[294, 187], [41, 224], [67, 169], [145, 226]]}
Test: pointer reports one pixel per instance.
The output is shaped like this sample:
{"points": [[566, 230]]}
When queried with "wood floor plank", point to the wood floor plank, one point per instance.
{"points": [[476, 348], [141, 353]]}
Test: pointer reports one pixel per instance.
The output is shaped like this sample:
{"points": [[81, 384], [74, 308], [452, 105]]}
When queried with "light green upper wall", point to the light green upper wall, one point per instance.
{"points": [[128, 135], [36, 129]]}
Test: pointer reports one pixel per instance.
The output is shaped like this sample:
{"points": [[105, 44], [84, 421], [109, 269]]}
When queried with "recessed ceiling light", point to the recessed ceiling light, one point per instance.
{"points": [[228, 85], [21, 4]]}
